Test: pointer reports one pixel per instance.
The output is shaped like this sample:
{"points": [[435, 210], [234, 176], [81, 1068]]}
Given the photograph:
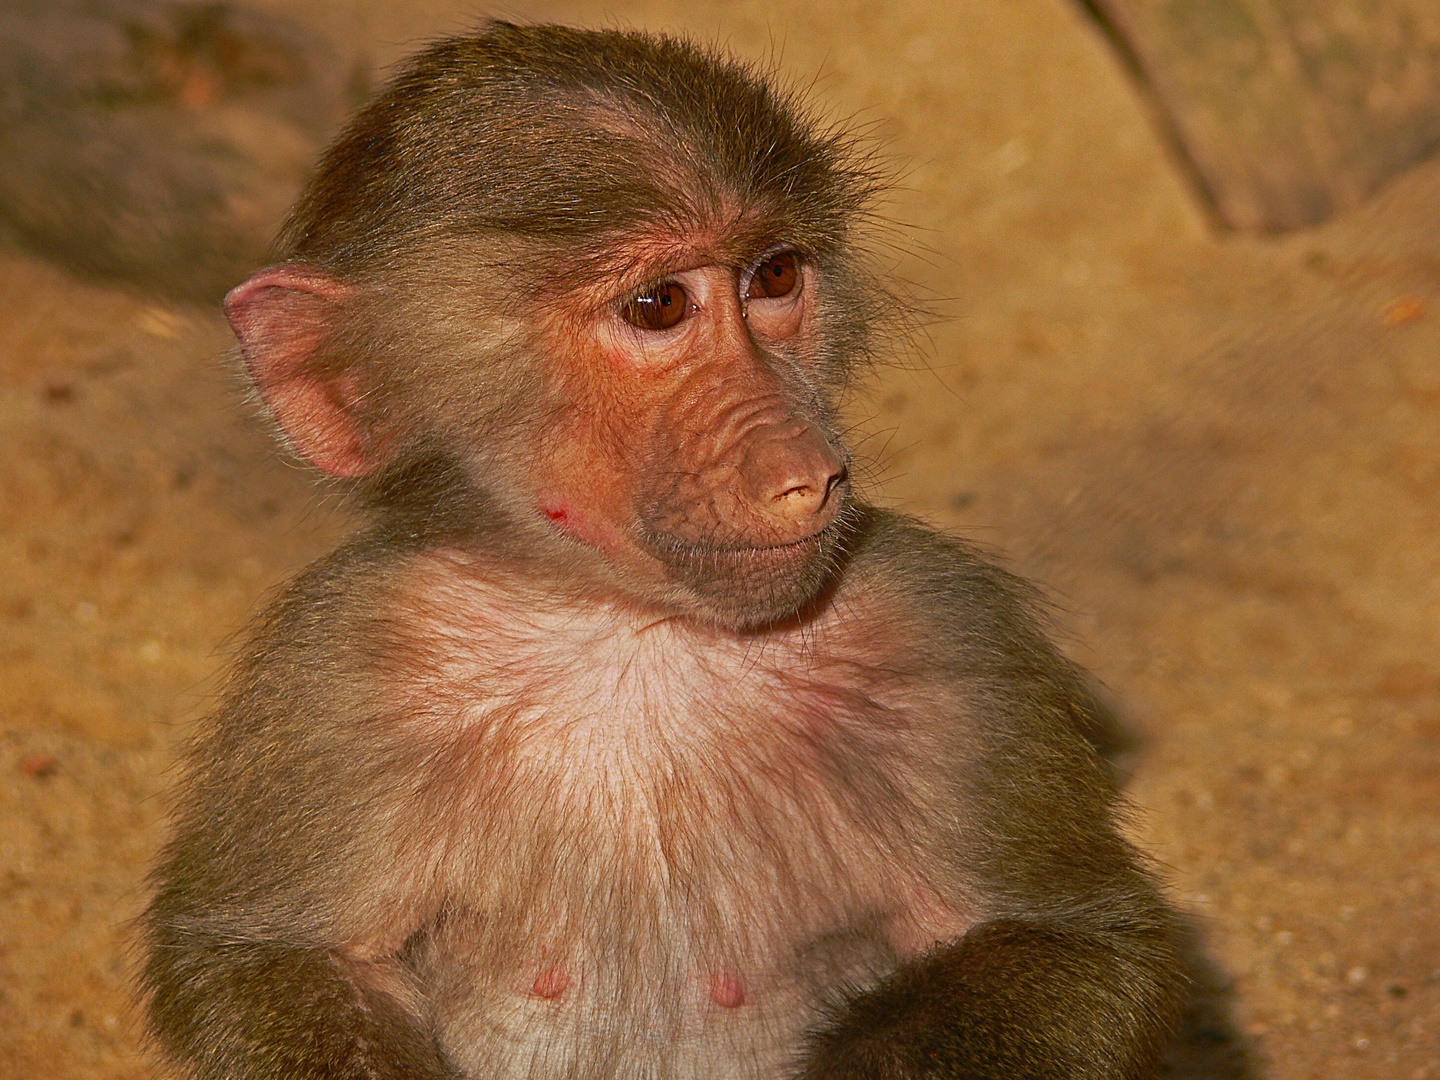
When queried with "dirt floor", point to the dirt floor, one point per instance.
{"points": [[1222, 455]]}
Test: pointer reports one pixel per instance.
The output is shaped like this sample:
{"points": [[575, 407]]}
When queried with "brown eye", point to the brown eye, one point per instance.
{"points": [[659, 309], [776, 276]]}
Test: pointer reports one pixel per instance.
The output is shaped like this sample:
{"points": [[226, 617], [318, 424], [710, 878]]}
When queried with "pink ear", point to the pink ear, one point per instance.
{"points": [[282, 316]]}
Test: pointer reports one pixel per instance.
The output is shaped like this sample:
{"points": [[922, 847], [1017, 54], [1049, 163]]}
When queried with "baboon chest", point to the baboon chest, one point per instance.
{"points": [[658, 826]]}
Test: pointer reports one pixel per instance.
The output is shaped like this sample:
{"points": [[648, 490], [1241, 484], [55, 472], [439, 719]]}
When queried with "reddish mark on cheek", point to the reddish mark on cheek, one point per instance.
{"points": [[550, 983], [588, 528], [726, 991], [562, 513]]}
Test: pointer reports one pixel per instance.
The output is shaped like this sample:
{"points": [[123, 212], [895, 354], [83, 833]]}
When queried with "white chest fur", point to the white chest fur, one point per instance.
{"points": [[656, 831]]}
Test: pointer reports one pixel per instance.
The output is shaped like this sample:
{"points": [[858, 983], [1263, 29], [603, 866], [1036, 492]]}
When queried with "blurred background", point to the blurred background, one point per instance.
{"points": [[1181, 260]]}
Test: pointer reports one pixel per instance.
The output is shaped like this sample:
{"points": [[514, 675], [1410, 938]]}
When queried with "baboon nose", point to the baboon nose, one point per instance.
{"points": [[791, 473]]}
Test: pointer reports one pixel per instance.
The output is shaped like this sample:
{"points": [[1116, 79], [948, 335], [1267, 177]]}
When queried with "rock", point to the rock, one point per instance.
{"points": [[1287, 113], [158, 143]]}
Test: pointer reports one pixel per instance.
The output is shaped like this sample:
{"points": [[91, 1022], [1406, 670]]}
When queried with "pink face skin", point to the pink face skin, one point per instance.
{"points": [[642, 368]]}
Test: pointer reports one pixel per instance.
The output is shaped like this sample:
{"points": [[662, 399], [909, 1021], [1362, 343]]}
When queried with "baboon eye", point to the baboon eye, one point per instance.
{"points": [[658, 309], [776, 276]]}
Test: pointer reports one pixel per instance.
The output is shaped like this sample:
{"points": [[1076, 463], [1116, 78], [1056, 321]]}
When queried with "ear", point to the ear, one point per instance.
{"points": [[283, 316]]}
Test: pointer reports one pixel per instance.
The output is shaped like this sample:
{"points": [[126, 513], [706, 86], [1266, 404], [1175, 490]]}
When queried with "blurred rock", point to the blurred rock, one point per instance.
{"points": [[159, 143], [1287, 112]]}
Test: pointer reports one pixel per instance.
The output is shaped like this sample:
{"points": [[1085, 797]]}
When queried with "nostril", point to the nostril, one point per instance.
{"points": [[799, 491], [791, 475], [811, 488]]}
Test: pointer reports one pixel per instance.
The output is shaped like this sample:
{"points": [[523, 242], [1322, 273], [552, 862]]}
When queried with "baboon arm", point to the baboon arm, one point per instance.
{"points": [[1011, 1000], [237, 1010]]}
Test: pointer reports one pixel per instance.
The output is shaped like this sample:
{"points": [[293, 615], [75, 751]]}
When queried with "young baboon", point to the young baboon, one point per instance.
{"points": [[625, 741]]}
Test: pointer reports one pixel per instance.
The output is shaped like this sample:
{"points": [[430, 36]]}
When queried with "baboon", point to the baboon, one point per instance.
{"points": [[626, 740]]}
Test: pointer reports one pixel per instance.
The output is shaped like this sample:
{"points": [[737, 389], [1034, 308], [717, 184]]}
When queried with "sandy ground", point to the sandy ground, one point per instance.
{"points": [[1222, 455]]}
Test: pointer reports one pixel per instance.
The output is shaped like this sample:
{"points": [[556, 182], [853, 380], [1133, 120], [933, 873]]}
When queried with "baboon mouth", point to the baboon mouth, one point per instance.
{"points": [[790, 547], [747, 585], [674, 550], [776, 560]]}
